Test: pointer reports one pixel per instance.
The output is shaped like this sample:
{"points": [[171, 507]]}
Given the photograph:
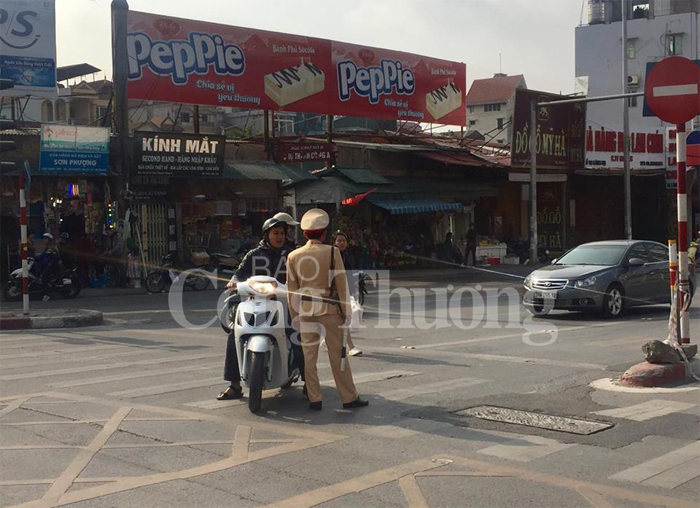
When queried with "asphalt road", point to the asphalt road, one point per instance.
{"points": [[125, 414]]}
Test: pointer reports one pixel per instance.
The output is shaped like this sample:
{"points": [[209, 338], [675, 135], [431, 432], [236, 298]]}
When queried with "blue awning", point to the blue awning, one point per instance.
{"points": [[405, 206]]}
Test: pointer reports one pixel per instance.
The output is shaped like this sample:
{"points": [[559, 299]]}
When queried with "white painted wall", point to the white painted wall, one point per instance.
{"points": [[598, 55]]}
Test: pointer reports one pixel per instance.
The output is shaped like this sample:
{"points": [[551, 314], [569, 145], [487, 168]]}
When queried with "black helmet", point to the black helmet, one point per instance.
{"points": [[271, 223]]}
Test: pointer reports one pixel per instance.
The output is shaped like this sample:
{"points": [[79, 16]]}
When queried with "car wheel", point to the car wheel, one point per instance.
{"points": [[614, 302]]}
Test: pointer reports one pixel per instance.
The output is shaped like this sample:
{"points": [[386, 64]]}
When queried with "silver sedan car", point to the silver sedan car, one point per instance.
{"points": [[605, 276]]}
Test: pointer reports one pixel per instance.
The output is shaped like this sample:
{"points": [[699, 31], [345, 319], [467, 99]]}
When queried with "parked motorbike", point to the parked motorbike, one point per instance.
{"points": [[168, 273], [257, 316], [65, 282]]}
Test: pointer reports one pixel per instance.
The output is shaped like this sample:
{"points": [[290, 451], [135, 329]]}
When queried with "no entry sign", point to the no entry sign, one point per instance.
{"points": [[672, 89]]}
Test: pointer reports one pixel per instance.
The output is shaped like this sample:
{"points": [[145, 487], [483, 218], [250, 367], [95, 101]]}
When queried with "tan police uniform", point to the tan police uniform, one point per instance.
{"points": [[308, 282]]}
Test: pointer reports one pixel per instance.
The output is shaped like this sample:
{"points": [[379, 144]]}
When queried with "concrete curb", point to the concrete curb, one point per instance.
{"points": [[71, 318], [651, 375]]}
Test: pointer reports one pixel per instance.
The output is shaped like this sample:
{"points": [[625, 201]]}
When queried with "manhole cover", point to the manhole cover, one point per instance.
{"points": [[539, 420]]}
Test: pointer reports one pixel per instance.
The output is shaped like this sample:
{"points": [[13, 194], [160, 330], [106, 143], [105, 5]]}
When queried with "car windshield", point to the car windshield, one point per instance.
{"points": [[602, 255]]}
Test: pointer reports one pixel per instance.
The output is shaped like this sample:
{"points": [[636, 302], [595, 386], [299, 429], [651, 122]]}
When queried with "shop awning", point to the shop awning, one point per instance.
{"points": [[262, 170], [363, 176], [405, 206]]}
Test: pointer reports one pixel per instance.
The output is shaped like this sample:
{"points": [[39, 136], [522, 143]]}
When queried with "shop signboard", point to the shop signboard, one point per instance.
{"points": [[179, 155], [28, 47], [182, 60], [604, 149], [72, 149], [305, 152], [561, 132], [550, 218], [148, 188]]}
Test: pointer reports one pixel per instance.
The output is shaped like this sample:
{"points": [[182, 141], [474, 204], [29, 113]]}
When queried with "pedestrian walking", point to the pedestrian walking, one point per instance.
{"points": [[319, 303], [471, 245], [340, 240]]}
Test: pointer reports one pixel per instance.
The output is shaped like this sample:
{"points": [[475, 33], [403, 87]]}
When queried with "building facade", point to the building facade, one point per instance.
{"points": [[490, 105], [655, 30]]}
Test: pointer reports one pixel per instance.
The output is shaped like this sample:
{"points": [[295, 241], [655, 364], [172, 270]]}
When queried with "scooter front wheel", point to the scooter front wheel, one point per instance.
{"points": [[155, 282], [257, 372]]}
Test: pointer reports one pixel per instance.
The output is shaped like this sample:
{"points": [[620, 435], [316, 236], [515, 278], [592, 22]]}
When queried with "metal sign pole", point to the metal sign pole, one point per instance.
{"points": [[533, 182], [684, 291], [626, 129]]}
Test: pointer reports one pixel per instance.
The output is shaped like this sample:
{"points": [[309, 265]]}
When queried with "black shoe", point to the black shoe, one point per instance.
{"points": [[358, 402], [230, 393], [316, 406]]}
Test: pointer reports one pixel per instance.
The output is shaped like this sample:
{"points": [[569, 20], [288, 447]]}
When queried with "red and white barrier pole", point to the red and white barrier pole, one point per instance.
{"points": [[23, 233], [682, 235], [672, 265]]}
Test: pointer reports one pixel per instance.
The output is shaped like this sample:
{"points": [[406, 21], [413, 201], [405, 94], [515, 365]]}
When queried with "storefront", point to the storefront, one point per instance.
{"points": [[396, 222]]}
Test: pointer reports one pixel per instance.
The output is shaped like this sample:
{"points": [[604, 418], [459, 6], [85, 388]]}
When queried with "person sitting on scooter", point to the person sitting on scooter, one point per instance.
{"points": [[268, 258], [46, 264]]}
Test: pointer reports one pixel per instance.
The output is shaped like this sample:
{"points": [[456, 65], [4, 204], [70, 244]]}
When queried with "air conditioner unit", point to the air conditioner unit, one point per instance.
{"points": [[633, 80]]}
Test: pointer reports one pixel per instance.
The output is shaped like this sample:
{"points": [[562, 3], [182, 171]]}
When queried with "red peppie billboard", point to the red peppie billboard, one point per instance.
{"points": [[186, 61]]}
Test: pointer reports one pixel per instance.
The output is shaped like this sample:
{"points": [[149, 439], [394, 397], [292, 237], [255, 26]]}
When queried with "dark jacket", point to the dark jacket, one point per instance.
{"points": [[347, 260], [264, 260]]}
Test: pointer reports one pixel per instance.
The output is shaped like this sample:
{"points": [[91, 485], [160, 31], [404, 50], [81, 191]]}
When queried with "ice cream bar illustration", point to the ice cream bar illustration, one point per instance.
{"points": [[294, 83], [443, 100]]}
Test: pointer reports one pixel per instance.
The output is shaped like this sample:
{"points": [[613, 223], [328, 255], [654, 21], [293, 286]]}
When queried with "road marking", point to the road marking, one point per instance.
{"points": [[453, 384], [676, 476], [53, 361], [618, 342], [241, 443], [371, 377], [358, 378], [646, 410], [93, 368], [63, 483], [607, 384], [220, 404], [124, 377], [659, 465], [543, 331], [537, 448], [675, 90], [167, 388], [12, 406], [515, 359], [59, 351], [594, 497], [368, 481], [411, 489]]}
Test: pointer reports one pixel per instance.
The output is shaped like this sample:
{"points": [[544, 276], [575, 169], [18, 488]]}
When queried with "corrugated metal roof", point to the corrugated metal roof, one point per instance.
{"points": [[463, 158], [75, 71], [362, 175], [253, 170]]}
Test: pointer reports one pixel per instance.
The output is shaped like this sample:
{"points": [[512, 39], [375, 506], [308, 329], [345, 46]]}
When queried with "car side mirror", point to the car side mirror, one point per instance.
{"points": [[636, 262], [554, 261]]}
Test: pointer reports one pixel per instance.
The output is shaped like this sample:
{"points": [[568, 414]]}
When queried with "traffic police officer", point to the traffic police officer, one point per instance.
{"points": [[319, 304]]}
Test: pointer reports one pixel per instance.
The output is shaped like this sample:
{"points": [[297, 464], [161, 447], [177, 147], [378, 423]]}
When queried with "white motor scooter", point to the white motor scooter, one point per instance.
{"points": [[263, 348]]}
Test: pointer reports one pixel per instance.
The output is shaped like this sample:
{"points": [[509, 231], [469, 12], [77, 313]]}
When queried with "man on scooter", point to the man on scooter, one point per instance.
{"points": [[268, 258]]}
